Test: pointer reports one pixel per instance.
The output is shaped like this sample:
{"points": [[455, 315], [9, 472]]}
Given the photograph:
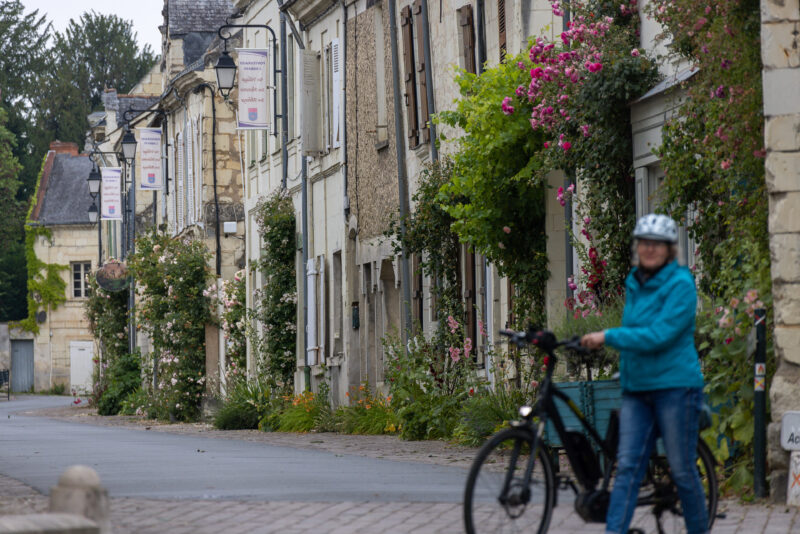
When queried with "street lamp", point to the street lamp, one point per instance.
{"points": [[226, 74], [129, 146], [94, 181], [93, 213]]}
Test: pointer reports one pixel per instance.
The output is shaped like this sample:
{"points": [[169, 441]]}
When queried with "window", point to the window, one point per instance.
{"points": [[416, 94], [466, 39], [382, 123], [501, 28], [80, 287], [290, 83]]}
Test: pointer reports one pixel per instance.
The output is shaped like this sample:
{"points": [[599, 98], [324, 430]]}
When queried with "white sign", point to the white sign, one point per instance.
{"points": [[111, 194], [790, 431], [252, 112], [150, 158]]}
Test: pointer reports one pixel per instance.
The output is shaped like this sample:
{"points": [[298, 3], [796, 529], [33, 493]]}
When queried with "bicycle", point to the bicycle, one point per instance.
{"points": [[513, 472]]}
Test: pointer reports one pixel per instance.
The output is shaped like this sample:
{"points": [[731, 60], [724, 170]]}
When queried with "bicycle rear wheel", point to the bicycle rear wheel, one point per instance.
{"points": [[660, 510], [496, 500]]}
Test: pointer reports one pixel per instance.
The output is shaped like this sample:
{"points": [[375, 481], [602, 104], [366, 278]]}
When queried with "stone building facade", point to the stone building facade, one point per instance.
{"points": [[63, 347], [781, 78]]}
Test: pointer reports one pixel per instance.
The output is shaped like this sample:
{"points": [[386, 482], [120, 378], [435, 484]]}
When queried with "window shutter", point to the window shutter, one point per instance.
{"points": [[467, 37], [323, 310], [311, 123], [336, 69], [410, 78], [501, 28], [423, 82], [311, 320], [190, 175], [417, 296], [469, 297], [181, 182], [171, 212]]}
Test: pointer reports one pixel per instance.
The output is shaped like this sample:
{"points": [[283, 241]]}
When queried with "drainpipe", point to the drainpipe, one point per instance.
{"points": [[568, 180], [197, 89], [304, 201], [480, 22], [284, 107], [221, 340], [426, 48], [345, 198], [399, 141]]}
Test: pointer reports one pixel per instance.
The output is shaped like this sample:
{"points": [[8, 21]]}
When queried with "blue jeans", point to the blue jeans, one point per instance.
{"points": [[671, 414]]}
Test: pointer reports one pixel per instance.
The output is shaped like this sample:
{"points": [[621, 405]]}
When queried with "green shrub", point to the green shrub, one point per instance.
{"points": [[300, 413], [485, 412], [245, 405], [136, 403], [123, 376], [367, 414]]}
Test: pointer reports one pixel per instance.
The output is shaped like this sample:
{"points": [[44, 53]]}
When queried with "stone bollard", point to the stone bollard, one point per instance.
{"points": [[79, 492]]}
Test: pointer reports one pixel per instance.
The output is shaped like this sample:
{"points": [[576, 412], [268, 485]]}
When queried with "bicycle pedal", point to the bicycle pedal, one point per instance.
{"points": [[563, 482]]}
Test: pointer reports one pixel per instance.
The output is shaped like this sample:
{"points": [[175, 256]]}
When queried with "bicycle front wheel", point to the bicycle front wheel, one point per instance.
{"points": [[497, 499]]}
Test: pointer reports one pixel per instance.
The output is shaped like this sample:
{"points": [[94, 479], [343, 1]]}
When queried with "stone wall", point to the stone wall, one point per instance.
{"points": [[372, 166], [781, 78], [67, 323]]}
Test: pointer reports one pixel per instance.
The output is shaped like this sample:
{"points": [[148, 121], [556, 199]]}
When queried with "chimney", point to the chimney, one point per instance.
{"points": [[60, 147]]}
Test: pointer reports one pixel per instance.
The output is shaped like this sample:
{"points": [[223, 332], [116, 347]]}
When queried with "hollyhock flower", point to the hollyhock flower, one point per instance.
{"points": [[467, 347], [566, 145], [751, 296], [635, 52], [452, 323], [520, 65], [506, 229], [571, 188], [585, 130], [719, 92], [482, 328], [501, 246], [725, 165], [455, 354], [546, 144], [734, 302]]}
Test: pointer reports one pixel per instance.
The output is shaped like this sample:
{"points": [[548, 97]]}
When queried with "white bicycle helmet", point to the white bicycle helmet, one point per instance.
{"points": [[656, 227]]}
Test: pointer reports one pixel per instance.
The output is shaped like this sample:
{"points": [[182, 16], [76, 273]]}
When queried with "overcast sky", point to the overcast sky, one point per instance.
{"points": [[145, 14]]}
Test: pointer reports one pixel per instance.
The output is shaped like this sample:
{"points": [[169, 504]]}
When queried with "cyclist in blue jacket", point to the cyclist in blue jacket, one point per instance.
{"points": [[659, 373]]}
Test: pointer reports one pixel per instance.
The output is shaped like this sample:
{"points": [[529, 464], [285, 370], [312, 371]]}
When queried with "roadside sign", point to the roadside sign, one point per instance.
{"points": [[790, 431]]}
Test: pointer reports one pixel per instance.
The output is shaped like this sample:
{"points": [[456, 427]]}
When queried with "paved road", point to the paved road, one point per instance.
{"points": [[350, 494], [133, 463]]}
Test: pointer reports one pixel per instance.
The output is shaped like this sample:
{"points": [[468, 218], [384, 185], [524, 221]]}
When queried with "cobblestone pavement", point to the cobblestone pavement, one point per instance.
{"points": [[136, 515]]}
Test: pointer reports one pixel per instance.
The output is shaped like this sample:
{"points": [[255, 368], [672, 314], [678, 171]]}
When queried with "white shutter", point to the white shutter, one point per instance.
{"points": [[189, 174], [311, 320], [198, 167], [173, 197], [311, 123], [323, 312], [181, 184], [642, 191], [336, 68]]}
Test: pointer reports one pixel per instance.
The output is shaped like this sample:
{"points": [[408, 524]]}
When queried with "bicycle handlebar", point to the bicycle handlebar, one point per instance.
{"points": [[543, 339]]}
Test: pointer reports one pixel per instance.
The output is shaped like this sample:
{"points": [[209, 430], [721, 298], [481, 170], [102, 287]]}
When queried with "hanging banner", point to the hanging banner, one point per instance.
{"points": [[111, 194], [253, 79], [150, 158]]}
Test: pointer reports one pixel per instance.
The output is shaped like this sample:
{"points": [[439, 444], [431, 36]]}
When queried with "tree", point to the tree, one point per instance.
{"points": [[93, 53], [23, 40], [12, 258]]}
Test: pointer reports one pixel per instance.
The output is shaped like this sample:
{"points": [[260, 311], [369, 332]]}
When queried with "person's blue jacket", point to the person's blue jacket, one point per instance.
{"points": [[656, 339]]}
